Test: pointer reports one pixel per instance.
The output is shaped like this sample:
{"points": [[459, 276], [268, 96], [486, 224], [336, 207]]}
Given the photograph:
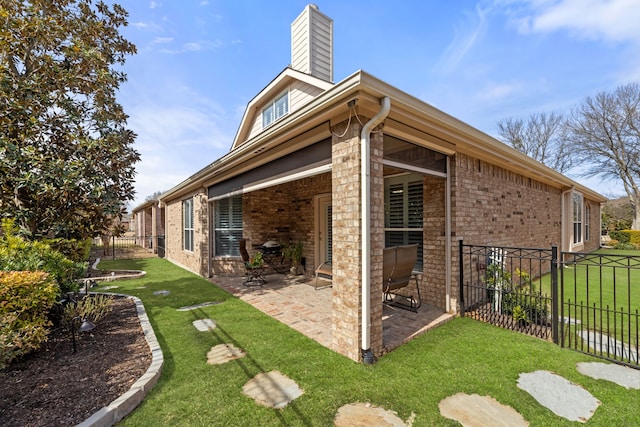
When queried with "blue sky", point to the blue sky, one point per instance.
{"points": [[200, 62]]}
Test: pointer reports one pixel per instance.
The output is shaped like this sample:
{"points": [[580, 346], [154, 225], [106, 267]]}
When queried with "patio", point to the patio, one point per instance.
{"points": [[294, 301]]}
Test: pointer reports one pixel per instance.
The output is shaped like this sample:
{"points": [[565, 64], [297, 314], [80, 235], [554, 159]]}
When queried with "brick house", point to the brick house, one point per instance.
{"points": [[351, 167], [147, 224]]}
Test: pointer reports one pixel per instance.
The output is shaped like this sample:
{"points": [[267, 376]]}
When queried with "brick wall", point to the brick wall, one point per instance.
{"points": [[433, 284], [347, 291], [196, 260], [284, 213]]}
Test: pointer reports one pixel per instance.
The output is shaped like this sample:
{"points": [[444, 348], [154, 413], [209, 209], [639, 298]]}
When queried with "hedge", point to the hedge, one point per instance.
{"points": [[25, 300]]}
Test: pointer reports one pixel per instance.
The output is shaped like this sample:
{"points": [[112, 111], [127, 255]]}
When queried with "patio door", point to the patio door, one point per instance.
{"points": [[323, 246]]}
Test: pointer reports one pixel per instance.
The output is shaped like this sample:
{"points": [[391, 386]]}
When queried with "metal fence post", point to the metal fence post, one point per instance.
{"points": [[461, 277], [113, 247], [555, 319]]}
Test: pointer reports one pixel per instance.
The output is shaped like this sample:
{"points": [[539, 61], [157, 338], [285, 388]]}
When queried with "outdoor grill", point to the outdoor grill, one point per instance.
{"points": [[271, 248]]}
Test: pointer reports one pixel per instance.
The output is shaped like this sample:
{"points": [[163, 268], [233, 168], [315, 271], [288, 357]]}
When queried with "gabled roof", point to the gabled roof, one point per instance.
{"points": [[277, 85], [409, 118]]}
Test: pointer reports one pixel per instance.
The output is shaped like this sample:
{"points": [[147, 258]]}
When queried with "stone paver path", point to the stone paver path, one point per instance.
{"points": [[365, 414], [163, 293], [621, 375], [558, 394], [204, 325], [473, 410], [223, 353], [201, 305], [272, 389]]}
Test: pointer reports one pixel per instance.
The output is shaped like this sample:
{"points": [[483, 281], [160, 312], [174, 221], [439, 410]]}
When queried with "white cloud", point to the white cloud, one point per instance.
{"points": [[162, 40], [193, 47], [465, 37], [154, 5], [609, 20], [175, 141], [146, 26], [494, 91]]}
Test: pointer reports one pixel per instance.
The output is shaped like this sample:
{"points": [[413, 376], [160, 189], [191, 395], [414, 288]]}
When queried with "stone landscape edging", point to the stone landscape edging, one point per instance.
{"points": [[125, 404]]}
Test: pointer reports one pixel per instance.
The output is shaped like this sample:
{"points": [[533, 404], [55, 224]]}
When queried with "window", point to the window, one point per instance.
{"points": [[577, 218], [276, 109], [228, 226], [403, 200], [187, 224]]}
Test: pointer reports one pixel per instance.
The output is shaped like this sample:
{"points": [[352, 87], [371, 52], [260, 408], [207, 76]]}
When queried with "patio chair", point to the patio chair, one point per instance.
{"points": [[325, 270], [401, 277], [254, 275]]}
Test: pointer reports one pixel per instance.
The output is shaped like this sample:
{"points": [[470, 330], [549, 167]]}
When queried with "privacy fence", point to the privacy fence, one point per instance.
{"points": [[587, 302]]}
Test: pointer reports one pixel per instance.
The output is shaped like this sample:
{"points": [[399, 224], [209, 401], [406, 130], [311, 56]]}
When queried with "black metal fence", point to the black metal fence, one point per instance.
{"points": [[132, 246], [587, 302], [600, 296], [506, 286]]}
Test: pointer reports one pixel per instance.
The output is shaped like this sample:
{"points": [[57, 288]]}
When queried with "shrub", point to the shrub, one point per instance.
{"points": [[625, 246], [75, 250], [93, 308], [621, 236], [25, 299], [18, 254]]}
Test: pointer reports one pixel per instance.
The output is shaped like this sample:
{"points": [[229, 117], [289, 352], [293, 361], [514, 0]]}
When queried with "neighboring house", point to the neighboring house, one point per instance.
{"points": [[351, 167], [148, 224]]}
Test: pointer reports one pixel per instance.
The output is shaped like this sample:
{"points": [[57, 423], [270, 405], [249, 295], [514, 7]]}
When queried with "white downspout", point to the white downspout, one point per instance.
{"points": [[565, 237], [365, 200], [447, 230]]}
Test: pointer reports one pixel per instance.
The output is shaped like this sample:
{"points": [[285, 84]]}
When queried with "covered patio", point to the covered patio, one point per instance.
{"points": [[293, 301]]}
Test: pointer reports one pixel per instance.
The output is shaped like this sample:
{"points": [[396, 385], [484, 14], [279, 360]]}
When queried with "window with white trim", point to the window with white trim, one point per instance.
{"points": [[403, 213], [187, 224], [228, 226], [276, 109], [578, 205]]}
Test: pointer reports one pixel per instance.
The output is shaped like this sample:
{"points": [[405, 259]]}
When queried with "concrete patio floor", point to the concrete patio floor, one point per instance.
{"points": [[294, 301]]}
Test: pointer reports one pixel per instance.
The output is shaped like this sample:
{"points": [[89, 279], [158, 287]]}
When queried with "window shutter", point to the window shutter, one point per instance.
{"points": [[414, 204]]}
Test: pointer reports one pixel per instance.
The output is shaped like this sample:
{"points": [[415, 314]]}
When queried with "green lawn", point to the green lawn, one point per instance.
{"points": [[615, 286], [461, 356]]}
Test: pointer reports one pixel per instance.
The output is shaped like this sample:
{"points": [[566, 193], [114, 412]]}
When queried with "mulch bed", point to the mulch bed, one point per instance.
{"points": [[55, 387]]}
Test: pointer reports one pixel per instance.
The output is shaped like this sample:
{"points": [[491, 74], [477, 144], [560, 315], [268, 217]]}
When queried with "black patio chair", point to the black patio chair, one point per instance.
{"points": [[254, 275]]}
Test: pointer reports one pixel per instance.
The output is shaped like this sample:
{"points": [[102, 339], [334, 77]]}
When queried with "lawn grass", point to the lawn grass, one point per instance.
{"points": [[615, 286], [461, 356]]}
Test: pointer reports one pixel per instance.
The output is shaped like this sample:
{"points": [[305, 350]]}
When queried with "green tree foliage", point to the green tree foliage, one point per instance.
{"points": [[66, 156]]}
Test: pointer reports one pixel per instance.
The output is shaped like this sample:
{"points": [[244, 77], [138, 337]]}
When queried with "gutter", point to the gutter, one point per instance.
{"points": [[365, 200]]}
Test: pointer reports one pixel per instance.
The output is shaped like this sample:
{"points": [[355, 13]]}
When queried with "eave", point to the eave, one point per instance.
{"points": [[409, 118]]}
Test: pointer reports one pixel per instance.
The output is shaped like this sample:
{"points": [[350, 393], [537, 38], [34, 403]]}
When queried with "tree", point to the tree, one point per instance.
{"points": [[66, 156], [605, 133], [541, 137], [153, 196]]}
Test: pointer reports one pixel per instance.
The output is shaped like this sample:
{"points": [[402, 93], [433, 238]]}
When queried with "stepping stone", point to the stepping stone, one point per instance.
{"points": [[204, 325], [365, 414], [559, 395], [223, 353], [621, 375], [105, 288], [473, 410], [604, 344], [272, 389], [196, 306], [161, 292]]}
